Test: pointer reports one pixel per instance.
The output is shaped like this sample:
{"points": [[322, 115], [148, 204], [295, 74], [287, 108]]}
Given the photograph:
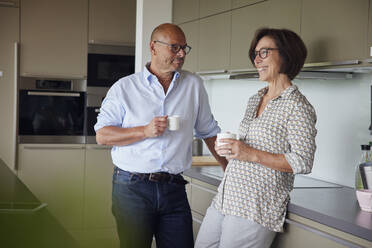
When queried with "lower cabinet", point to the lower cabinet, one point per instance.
{"points": [[200, 196], [99, 223], [55, 173], [305, 233]]}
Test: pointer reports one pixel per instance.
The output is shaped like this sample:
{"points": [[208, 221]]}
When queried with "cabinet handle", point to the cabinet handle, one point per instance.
{"points": [[323, 234], [54, 147], [13, 211], [42, 93], [7, 4], [335, 63], [98, 147], [211, 72]]}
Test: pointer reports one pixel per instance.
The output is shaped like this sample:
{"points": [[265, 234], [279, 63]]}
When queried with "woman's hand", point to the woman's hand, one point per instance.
{"points": [[235, 149]]}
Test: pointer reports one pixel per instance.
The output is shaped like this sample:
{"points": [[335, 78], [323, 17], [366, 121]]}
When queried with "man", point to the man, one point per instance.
{"points": [[149, 197]]}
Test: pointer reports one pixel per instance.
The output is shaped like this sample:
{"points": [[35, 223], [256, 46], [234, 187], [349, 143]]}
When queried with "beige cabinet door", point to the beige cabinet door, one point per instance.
{"points": [[302, 232], [335, 30], [54, 37], [9, 33], [184, 11], [112, 22], [214, 42], [9, 3], [98, 187], [191, 30], [369, 42], [55, 174], [202, 195], [245, 22], [212, 7], [99, 222], [241, 3]]}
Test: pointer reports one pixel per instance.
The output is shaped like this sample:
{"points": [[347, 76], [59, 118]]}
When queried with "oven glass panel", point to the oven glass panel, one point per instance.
{"points": [[104, 69], [51, 113]]}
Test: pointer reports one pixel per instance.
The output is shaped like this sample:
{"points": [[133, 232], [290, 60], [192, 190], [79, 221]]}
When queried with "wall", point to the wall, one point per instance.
{"points": [[150, 14], [343, 111]]}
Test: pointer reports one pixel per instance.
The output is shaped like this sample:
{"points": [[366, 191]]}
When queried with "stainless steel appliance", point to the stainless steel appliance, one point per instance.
{"points": [[95, 96], [52, 110], [107, 64]]}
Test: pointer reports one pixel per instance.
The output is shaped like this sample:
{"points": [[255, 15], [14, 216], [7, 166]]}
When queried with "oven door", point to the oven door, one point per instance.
{"points": [[51, 116]]}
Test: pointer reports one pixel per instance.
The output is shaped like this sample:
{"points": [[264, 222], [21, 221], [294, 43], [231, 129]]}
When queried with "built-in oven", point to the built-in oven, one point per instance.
{"points": [[52, 110], [95, 96], [107, 64]]}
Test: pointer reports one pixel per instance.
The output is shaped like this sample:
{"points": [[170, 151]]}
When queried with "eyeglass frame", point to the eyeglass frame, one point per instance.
{"points": [[173, 47], [259, 52]]}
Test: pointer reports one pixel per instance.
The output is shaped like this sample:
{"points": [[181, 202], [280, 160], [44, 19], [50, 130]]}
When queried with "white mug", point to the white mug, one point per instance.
{"points": [[173, 122], [224, 136]]}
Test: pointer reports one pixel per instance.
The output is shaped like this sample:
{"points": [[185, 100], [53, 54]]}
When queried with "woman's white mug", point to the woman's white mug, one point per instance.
{"points": [[173, 122], [224, 136]]}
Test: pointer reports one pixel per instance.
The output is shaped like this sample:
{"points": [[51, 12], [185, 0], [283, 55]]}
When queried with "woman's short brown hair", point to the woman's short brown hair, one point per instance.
{"points": [[292, 49]]}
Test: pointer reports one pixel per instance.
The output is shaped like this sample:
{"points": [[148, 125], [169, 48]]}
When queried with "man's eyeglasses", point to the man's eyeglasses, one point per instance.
{"points": [[175, 48], [263, 53]]}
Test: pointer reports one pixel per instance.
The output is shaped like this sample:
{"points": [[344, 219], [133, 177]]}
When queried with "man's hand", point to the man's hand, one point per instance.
{"points": [[156, 127]]}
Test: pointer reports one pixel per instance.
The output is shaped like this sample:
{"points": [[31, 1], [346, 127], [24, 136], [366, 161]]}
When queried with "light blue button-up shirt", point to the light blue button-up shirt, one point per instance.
{"points": [[136, 99]]}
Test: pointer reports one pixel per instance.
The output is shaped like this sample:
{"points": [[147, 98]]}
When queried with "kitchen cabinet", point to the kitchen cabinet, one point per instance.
{"points": [[200, 198], [55, 174], [369, 42], [112, 22], [191, 30], [9, 3], [211, 7], [9, 30], [184, 11], [336, 35], [302, 232], [214, 42], [245, 22], [54, 37], [241, 3]]}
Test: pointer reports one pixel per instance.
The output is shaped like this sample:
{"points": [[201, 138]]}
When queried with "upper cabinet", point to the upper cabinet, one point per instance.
{"points": [[241, 3], [211, 7], [214, 42], [191, 30], [369, 41], [184, 11], [112, 22], [9, 3], [54, 38], [335, 30], [245, 22]]}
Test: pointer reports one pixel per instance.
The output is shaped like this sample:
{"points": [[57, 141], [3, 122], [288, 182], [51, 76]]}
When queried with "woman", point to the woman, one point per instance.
{"points": [[277, 141]]}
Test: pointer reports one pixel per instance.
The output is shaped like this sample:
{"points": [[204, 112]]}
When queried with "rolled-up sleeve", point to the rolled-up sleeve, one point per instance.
{"points": [[206, 126], [301, 138], [112, 111]]}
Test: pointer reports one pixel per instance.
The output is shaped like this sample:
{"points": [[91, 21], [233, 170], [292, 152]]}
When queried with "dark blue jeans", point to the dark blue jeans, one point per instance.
{"points": [[144, 209]]}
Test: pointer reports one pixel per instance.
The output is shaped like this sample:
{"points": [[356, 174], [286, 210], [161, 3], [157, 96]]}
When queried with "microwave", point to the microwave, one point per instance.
{"points": [[107, 64]]}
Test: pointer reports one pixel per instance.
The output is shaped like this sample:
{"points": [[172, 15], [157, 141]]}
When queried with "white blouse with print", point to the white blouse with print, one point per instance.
{"points": [[254, 191]]}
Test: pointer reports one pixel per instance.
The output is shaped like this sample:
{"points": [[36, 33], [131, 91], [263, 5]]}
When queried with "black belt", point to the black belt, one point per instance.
{"points": [[160, 177]]}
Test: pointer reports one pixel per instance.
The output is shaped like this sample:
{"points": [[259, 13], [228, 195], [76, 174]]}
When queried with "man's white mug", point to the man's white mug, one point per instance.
{"points": [[224, 136], [173, 122]]}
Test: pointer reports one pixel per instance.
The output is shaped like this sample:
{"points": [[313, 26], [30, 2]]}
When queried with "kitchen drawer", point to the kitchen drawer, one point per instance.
{"points": [[202, 195]]}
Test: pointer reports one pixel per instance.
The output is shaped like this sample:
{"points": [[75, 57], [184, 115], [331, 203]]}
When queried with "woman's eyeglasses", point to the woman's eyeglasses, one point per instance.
{"points": [[263, 52]]}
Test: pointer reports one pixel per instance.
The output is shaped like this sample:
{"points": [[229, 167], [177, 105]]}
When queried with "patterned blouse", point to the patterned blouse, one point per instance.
{"points": [[253, 191]]}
